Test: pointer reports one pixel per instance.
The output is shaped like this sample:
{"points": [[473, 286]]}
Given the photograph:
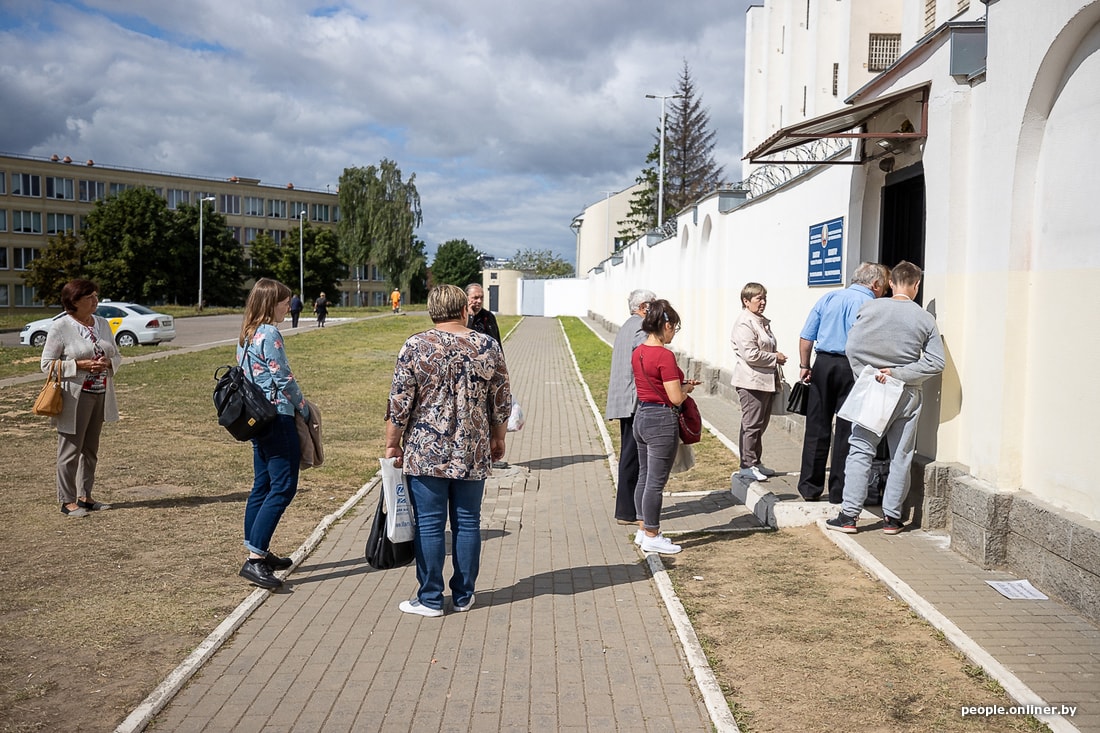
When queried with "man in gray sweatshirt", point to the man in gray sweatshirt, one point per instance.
{"points": [[901, 340]]}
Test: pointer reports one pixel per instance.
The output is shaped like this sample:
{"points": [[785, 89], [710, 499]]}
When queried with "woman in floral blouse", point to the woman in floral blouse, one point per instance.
{"points": [[276, 453], [447, 418]]}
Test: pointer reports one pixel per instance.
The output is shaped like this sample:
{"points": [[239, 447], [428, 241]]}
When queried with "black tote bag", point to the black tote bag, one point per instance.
{"points": [[382, 553]]}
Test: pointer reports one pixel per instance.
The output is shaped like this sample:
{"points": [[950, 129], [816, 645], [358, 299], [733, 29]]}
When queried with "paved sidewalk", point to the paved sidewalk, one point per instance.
{"points": [[1042, 652], [569, 631]]}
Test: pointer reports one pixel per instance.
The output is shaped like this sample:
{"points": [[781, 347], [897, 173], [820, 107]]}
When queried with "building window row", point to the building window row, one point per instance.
{"points": [[89, 191]]}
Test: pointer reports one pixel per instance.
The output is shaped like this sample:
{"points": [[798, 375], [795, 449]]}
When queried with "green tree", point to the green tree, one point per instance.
{"points": [[378, 213], [541, 262], [690, 169], [55, 265], [643, 202], [265, 259], [128, 250], [223, 266], [456, 262], [324, 267]]}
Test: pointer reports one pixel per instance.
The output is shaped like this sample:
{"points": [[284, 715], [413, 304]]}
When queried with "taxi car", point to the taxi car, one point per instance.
{"points": [[130, 323]]}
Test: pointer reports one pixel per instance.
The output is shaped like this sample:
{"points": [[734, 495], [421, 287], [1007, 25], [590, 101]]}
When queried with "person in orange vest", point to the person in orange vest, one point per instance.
{"points": [[395, 300]]}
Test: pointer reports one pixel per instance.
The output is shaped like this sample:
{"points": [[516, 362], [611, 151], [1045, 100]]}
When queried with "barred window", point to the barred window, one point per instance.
{"points": [[929, 15], [883, 50], [836, 79]]}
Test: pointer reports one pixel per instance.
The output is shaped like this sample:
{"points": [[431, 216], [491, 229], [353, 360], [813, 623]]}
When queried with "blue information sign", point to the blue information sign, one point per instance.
{"points": [[826, 261]]}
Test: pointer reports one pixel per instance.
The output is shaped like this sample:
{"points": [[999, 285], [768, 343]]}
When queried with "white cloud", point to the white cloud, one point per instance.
{"points": [[513, 115]]}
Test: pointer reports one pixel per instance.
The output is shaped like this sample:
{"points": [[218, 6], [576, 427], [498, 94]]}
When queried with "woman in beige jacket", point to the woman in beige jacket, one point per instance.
{"points": [[89, 359], [755, 376]]}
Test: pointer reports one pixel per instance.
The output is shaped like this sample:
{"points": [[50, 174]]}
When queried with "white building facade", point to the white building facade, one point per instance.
{"points": [[969, 157]]}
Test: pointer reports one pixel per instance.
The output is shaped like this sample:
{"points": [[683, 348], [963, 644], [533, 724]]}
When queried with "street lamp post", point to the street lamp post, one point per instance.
{"points": [[661, 162], [301, 254], [202, 201]]}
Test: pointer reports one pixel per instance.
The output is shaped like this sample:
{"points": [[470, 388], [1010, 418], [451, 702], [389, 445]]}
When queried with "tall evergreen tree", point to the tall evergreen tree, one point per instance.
{"points": [[690, 169], [643, 203]]}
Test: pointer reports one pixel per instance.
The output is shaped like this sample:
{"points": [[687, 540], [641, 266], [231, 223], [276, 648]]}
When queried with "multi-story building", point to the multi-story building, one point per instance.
{"points": [[43, 197]]}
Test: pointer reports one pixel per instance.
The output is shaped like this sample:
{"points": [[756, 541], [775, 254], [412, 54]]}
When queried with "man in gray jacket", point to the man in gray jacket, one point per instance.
{"points": [[622, 402], [901, 340]]}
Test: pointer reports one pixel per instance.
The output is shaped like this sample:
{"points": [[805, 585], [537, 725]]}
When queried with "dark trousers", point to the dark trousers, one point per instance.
{"points": [[294, 318], [830, 384], [628, 471]]}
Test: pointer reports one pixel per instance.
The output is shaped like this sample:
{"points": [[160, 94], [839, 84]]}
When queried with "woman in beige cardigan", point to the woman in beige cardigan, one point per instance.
{"points": [[89, 359], [755, 376]]}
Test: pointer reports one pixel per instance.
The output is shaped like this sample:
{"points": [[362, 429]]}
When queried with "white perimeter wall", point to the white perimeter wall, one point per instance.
{"points": [[1012, 260]]}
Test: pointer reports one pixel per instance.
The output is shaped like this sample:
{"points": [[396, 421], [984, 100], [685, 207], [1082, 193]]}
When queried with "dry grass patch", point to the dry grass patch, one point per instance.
{"points": [[96, 611], [802, 639]]}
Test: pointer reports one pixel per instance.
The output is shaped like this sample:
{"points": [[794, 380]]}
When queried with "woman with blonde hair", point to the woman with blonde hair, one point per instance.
{"points": [[275, 454], [755, 376], [445, 424]]}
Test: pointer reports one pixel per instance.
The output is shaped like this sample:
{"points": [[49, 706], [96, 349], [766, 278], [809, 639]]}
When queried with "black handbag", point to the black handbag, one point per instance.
{"points": [[243, 408], [800, 395], [382, 553]]}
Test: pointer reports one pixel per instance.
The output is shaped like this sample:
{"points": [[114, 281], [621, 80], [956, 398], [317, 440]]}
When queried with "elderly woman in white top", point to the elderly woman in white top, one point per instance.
{"points": [[89, 359], [755, 376]]}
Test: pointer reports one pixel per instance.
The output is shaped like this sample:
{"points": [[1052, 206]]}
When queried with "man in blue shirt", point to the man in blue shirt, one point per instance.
{"points": [[830, 380]]}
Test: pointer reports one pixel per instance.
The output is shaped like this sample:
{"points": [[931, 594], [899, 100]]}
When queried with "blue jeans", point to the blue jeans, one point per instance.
{"points": [[275, 459], [434, 500], [657, 431]]}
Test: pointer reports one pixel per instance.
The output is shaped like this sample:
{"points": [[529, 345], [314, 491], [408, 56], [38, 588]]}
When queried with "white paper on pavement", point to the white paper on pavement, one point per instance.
{"points": [[1018, 590]]}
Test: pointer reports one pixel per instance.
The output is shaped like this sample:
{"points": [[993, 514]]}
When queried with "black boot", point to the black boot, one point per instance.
{"points": [[258, 572]]}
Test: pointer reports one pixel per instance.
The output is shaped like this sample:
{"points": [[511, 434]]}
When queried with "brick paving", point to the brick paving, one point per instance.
{"points": [[568, 631]]}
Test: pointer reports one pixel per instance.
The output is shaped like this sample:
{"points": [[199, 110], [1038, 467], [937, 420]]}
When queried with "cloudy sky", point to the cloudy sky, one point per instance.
{"points": [[513, 114]]}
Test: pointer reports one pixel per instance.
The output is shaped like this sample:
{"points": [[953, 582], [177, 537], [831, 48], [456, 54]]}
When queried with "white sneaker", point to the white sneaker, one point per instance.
{"points": [[414, 606], [659, 544], [638, 537], [753, 473], [469, 604]]}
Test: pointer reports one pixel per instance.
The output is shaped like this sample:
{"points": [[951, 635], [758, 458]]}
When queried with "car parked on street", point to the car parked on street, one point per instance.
{"points": [[130, 323]]}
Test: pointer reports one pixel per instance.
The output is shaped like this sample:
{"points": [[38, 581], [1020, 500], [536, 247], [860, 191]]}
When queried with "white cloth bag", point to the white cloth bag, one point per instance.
{"points": [[871, 403], [399, 513]]}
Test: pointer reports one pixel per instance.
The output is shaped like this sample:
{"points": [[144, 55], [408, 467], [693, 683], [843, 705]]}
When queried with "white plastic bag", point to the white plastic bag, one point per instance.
{"points": [[399, 513], [516, 420], [870, 403], [685, 459]]}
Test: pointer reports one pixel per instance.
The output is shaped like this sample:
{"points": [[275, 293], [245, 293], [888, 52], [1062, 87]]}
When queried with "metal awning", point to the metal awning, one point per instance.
{"points": [[873, 123]]}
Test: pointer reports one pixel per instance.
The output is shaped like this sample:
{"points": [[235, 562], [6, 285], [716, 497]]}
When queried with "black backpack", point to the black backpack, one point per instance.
{"points": [[243, 408]]}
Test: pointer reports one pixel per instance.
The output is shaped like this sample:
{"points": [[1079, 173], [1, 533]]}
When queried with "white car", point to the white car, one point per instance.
{"points": [[130, 323]]}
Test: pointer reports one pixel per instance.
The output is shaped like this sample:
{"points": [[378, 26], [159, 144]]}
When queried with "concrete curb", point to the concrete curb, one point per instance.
{"points": [[1013, 685], [174, 682]]}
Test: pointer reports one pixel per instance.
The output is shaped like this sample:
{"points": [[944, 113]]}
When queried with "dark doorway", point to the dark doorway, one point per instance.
{"points": [[902, 235], [494, 296]]}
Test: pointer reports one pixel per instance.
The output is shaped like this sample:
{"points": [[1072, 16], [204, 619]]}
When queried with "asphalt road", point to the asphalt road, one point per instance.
{"points": [[194, 331]]}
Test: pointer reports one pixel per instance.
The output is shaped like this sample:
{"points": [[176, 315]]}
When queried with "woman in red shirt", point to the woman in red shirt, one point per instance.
{"points": [[661, 390]]}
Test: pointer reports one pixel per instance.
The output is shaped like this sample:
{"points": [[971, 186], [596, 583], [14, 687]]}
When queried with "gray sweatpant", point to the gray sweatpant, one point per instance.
{"points": [[901, 436], [78, 453]]}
